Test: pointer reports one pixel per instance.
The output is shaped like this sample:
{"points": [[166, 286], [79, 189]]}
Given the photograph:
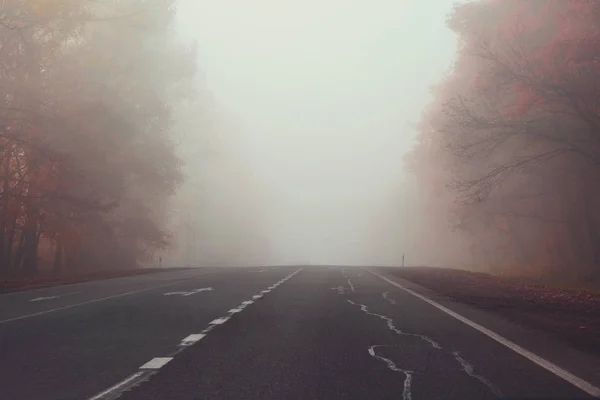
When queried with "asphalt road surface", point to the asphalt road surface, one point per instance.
{"points": [[272, 333]]}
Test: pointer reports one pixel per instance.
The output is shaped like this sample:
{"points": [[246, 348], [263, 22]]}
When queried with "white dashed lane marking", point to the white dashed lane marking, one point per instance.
{"points": [[191, 339], [155, 364], [219, 321]]}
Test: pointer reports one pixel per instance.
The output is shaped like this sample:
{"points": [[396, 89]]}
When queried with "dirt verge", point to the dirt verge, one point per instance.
{"points": [[570, 315]]}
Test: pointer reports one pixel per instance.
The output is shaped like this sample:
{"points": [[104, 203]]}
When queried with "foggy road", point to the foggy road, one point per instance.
{"points": [[257, 333]]}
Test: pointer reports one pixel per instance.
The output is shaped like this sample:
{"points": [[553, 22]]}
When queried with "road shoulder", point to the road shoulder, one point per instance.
{"points": [[584, 365]]}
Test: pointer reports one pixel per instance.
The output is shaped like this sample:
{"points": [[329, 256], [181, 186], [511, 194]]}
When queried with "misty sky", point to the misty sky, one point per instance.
{"points": [[319, 96]]}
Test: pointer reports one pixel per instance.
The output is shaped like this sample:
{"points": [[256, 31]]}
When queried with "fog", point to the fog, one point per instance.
{"points": [[309, 108], [187, 132]]}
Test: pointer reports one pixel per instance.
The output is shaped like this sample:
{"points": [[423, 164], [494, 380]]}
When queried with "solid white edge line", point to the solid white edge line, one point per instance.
{"points": [[116, 387], [542, 362]]}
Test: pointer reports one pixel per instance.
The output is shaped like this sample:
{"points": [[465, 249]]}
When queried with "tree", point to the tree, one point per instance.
{"points": [[86, 154], [511, 140]]}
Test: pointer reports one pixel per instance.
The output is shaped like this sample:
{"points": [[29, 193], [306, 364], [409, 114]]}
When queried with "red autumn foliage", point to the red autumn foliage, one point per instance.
{"points": [[509, 151], [86, 154]]}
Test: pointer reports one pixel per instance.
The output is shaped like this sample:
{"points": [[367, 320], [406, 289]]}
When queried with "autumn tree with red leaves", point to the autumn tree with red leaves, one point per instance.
{"points": [[87, 163], [510, 148]]}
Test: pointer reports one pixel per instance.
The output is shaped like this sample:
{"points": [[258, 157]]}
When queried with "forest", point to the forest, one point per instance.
{"points": [[87, 155], [507, 157]]}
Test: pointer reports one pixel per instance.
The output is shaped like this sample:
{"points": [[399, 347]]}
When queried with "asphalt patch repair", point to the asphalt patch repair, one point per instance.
{"points": [[572, 316]]}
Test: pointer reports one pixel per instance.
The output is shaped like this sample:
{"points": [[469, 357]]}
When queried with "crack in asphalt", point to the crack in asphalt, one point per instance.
{"points": [[340, 289], [392, 327], [470, 370], [406, 393], [385, 296], [466, 367], [348, 279]]}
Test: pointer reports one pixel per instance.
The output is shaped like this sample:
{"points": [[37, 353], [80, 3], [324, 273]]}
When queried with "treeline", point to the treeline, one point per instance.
{"points": [[509, 150], [87, 163]]}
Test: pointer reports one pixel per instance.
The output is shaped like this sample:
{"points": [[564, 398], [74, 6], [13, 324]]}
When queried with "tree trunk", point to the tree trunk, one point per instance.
{"points": [[585, 270], [4, 213], [10, 244], [58, 256], [20, 251], [70, 257], [30, 247]]}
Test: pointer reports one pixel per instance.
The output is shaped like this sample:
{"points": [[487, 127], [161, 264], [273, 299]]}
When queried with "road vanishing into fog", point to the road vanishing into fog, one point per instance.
{"points": [[288, 333]]}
